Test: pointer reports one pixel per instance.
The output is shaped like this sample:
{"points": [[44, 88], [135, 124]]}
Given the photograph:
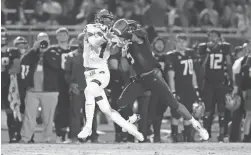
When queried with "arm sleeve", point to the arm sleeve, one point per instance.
{"points": [[168, 63], [52, 60], [68, 70]]}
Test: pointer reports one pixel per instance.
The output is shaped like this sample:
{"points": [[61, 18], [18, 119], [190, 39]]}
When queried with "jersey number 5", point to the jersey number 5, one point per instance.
{"points": [[188, 66], [102, 51], [215, 61]]}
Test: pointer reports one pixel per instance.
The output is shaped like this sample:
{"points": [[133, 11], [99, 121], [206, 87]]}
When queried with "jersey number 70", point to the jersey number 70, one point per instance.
{"points": [[188, 66]]}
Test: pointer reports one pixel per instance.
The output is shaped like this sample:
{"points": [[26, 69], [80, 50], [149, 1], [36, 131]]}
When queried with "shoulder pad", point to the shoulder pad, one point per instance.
{"points": [[53, 46], [73, 53], [225, 44], [10, 49], [171, 52], [73, 47], [202, 44], [190, 51], [93, 28]]}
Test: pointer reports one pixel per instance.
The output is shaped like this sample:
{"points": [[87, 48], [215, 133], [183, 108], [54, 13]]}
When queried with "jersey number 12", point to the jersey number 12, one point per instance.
{"points": [[215, 61]]}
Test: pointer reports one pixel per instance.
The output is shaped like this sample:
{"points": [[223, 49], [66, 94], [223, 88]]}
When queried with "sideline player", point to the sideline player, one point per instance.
{"points": [[179, 68], [97, 50], [217, 67], [147, 68]]}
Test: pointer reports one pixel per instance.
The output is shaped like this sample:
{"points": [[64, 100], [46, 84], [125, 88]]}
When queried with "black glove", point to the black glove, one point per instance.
{"points": [[197, 91], [134, 79], [176, 96]]}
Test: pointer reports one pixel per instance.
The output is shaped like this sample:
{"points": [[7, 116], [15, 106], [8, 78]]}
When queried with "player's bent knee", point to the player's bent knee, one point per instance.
{"points": [[93, 89]]}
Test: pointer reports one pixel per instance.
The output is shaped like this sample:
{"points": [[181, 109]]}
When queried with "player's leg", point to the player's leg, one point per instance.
{"points": [[247, 122], [105, 107], [158, 84], [219, 94], [130, 94], [188, 97], [207, 95], [91, 91], [174, 125]]}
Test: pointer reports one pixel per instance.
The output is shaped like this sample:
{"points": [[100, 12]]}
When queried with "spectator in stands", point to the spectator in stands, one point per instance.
{"points": [[153, 13], [130, 14], [205, 21], [213, 14], [40, 17], [191, 13], [119, 12], [242, 21], [226, 20]]}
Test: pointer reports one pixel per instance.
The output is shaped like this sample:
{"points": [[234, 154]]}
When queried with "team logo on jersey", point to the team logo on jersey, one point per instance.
{"points": [[101, 72]]}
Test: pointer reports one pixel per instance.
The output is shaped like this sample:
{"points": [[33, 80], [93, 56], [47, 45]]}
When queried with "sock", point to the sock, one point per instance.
{"points": [[157, 125], [188, 133], [174, 129], [182, 110], [89, 111], [221, 125], [118, 119], [207, 124]]}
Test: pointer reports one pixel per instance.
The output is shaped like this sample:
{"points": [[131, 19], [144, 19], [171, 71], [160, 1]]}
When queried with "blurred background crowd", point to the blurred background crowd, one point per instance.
{"points": [[225, 15], [160, 13]]}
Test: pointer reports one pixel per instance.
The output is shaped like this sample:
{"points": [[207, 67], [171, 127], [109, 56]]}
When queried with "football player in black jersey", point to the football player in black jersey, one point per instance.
{"points": [[179, 69], [62, 113], [9, 57], [147, 68], [216, 72]]}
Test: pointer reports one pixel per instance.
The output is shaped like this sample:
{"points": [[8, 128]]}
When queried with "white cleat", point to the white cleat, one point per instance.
{"points": [[132, 119], [85, 133], [203, 132], [138, 135]]}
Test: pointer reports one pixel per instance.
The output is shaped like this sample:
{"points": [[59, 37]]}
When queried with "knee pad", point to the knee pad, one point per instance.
{"points": [[93, 89]]}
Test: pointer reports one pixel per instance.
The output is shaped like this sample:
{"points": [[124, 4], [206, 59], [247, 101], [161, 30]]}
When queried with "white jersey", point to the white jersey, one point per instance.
{"points": [[96, 49]]}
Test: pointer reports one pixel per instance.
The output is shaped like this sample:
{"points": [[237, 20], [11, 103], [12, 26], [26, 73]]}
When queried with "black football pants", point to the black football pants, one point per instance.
{"points": [[153, 82]]}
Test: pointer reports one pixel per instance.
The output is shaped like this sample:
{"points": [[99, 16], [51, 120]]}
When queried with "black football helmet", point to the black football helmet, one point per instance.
{"points": [[102, 16], [21, 43]]}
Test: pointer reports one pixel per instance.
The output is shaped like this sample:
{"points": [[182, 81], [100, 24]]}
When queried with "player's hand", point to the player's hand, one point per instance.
{"points": [[36, 45], [109, 36], [74, 89], [176, 96], [134, 79]]}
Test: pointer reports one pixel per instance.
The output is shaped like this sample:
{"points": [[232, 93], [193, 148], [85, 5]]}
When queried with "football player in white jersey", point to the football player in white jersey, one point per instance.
{"points": [[97, 49]]}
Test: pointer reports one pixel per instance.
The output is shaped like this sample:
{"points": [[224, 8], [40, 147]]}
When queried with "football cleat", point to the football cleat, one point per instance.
{"points": [[133, 119], [86, 132], [203, 132]]}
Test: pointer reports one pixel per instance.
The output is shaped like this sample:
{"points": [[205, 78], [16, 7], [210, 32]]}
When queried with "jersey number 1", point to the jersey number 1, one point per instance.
{"points": [[188, 68], [102, 51], [215, 61]]}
